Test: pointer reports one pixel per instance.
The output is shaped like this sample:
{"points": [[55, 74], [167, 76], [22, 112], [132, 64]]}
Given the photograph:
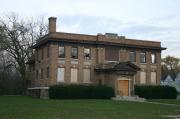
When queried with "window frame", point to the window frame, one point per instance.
{"points": [[74, 70], [59, 69], [85, 77], [145, 80], [76, 57], [155, 77], [87, 58], [155, 60], [134, 56], [63, 54], [144, 61]]}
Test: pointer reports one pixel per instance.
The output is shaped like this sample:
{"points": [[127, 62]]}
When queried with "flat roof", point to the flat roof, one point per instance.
{"points": [[99, 39]]}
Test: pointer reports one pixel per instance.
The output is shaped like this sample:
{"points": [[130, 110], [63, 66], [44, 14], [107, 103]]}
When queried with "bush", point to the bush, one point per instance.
{"points": [[80, 92], [156, 92], [10, 86]]}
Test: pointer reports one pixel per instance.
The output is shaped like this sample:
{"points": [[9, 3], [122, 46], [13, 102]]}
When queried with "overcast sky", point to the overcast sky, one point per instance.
{"points": [[157, 20]]}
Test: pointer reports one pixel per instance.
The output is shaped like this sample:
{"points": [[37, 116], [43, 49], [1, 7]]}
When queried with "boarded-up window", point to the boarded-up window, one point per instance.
{"points": [[142, 77], [87, 75], [153, 58], [74, 76], [60, 74], [153, 77], [111, 54]]}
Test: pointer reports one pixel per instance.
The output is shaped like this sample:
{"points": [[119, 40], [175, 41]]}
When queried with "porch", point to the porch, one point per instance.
{"points": [[119, 75]]}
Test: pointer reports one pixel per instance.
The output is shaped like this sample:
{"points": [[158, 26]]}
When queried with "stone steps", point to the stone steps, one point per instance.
{"points": [[129, 98]]}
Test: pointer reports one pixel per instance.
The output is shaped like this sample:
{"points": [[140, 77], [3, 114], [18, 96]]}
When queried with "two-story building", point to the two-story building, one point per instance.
{"points": [[102, 59]]}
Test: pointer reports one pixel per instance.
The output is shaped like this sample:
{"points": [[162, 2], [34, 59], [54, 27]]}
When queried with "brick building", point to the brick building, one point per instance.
{"points": [[99, 59]]}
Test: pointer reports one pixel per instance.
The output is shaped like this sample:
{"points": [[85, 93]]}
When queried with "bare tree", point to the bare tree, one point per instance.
{"points": [[17, 36], [10, 83]]}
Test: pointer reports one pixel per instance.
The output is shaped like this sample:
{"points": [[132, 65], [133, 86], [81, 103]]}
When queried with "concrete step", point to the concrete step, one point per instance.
{"points": [[129, 98]]}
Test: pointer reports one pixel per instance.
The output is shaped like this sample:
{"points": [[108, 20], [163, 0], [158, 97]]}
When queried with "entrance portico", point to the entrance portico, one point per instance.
{"points": [[119, 75]]}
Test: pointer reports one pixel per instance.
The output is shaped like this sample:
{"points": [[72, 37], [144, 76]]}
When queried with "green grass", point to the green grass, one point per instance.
{"points": [[167, 101], [18, 107]]}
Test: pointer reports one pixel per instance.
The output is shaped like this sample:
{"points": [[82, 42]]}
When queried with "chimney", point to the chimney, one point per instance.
{"points": [[52, 24]]}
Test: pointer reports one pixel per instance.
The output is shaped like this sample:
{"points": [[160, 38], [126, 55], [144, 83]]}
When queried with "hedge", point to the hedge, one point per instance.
{"points": [[80, 92], [156, 92]]}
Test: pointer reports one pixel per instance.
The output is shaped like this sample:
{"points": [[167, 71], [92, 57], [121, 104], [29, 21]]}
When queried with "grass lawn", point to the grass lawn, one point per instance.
{"points": [[167, 101], [18, 107]]}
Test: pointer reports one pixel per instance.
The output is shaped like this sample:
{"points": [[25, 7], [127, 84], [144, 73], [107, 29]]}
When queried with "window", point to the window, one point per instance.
{"points": [[37, 74], [132, 56], [61, 52], [41, 73], [87, 75], [112, 54], [153, 58], [47, 51], [153, 77], [143, 57], [47, 72], [60, 74], [142, 77], [74, 73], [87, 53], [74, 52], [42, 53]]}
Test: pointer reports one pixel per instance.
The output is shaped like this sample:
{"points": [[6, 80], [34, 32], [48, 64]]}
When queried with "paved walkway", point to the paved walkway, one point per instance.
{"points": [[166, 104]]}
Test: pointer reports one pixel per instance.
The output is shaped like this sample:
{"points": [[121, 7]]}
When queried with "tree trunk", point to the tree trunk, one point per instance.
{"points": [[22, 70]]}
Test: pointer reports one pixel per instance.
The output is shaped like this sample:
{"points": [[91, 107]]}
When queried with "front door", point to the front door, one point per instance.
{"points": [[123, 87]]}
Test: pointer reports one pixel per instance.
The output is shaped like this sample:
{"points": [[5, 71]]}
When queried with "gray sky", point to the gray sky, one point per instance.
{"points": [[157, 20]]}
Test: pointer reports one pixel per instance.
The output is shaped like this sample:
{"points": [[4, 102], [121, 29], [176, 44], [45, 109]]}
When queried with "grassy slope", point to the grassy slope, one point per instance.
{"points": [[14, 107]]}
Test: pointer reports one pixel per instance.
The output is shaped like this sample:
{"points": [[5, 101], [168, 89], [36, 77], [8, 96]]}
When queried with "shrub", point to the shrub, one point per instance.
{"points": [[156, 92], [80, 92]]}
